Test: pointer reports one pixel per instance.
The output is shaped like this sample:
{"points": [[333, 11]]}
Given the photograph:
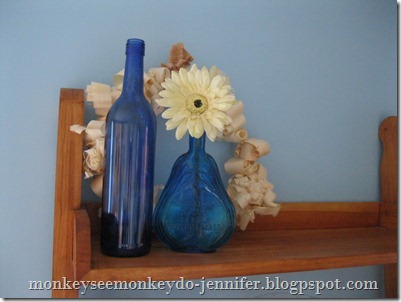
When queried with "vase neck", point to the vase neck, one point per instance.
{"points": [[197, 144]]}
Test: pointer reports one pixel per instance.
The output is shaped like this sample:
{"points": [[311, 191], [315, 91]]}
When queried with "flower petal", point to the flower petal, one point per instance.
{"points": [[179, 116], [183, 73], [181, 130], [170, 124], [171, 112], [222, 106], [216, 82], [195, 127], [211, 131]]}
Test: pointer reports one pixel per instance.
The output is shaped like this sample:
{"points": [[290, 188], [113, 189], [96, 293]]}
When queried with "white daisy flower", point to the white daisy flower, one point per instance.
{"points": [[197, 101]]}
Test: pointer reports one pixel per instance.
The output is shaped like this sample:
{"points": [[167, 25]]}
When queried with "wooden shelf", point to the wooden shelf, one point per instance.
{"points": [[304, 236], [248, 253]]}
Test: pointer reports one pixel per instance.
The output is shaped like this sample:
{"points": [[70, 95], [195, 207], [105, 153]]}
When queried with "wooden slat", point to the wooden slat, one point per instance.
{"points": [[389, 215], [313, 215], [68, 186], [297, 215], [388, 133], [256, 252], [82, 244], [391, 280], [93, 209]]}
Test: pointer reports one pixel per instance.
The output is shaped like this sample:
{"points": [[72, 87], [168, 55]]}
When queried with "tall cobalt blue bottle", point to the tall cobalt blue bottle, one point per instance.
{"points": [[126, 223]]}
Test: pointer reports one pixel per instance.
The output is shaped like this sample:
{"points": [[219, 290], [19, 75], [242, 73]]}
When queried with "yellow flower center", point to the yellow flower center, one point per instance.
{"points": [[197, 104]]}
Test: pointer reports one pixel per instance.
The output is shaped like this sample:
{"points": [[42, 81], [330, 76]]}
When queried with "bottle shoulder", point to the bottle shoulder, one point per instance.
{"points": [[187, 162], [131, 110]]}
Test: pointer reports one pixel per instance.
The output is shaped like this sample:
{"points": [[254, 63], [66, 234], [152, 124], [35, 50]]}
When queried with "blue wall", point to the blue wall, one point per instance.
{"points": [[316, 76]]}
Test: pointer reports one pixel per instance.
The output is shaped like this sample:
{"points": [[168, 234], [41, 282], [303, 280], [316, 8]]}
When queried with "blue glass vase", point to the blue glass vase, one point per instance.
{"points": [[126, 224], [194, 213]]}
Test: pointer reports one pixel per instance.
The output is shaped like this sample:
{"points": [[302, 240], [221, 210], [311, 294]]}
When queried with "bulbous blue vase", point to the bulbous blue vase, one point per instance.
{"points": [[194, 213]]}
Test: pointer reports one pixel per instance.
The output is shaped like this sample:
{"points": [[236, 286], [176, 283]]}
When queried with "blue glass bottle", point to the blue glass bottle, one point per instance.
{"points": [[126, 224], [194, 213]]}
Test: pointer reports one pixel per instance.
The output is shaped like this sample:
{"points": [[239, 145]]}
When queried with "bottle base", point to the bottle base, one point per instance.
{"points": [[125, 253], [193, 251]]}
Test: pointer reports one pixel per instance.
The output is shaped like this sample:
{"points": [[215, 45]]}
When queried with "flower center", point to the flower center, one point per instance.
{"points": [[197, 104]]}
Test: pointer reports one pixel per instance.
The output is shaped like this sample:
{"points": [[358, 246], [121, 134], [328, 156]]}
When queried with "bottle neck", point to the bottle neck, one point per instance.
{"points": [[133, 73], [197, 145]]}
